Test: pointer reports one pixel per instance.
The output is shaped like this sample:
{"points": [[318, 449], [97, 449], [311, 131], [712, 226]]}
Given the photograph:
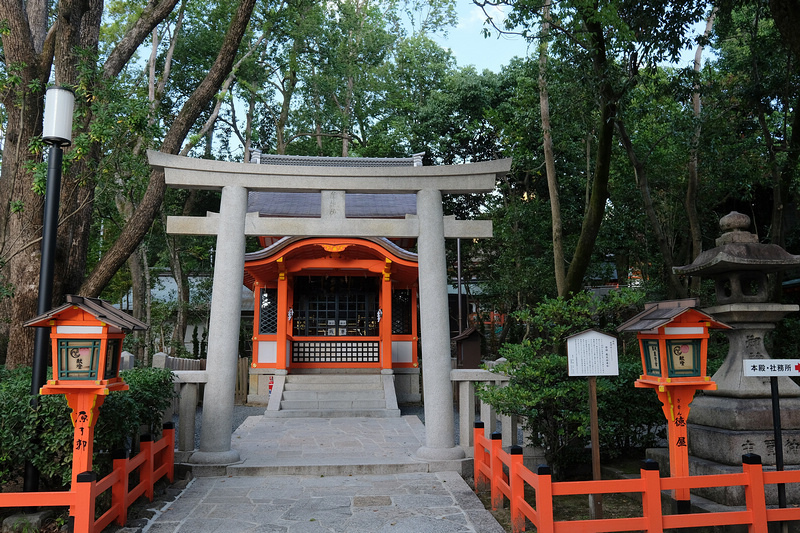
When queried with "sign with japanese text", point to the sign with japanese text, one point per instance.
{"points": [[592, 353], [771, 367]]}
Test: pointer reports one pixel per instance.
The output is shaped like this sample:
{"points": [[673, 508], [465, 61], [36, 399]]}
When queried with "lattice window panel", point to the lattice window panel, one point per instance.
{"points": [[401, 312], [335, 307], [268, 312], [335, 352]]}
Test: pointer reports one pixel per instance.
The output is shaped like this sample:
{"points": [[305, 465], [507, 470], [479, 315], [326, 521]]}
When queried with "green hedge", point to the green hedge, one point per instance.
{"points": [[44, 435], [554, 405]]}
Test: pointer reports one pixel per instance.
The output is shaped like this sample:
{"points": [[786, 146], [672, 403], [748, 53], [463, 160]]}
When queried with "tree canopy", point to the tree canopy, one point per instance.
{"points": [[625, 157]]}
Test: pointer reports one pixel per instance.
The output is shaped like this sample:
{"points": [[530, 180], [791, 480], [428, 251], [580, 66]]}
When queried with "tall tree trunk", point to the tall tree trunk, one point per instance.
{"points": [[179, 274], [549, 158], [182, 294], [693, 185], [786, 14], [77, 186], [76, 26], [287, 92], [593, 216], [676, 288], [140, 288], [21, 205], [140, 223], [248, 129]]}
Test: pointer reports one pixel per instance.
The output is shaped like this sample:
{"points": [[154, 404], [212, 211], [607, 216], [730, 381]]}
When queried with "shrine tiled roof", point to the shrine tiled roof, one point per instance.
{"points": [[308, 204], [318, 161]]}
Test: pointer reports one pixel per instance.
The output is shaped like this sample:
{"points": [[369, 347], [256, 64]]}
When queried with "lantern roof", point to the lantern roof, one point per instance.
{"points": [[100, 309], [739, 249], [658, 314]]}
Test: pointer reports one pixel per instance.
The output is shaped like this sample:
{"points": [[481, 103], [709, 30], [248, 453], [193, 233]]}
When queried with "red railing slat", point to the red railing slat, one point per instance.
{"points": [[155, 461], [491, 463]]}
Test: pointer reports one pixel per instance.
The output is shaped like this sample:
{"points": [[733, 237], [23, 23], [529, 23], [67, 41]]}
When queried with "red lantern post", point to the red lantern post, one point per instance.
{"points": [[673, 340], [86, 337]]}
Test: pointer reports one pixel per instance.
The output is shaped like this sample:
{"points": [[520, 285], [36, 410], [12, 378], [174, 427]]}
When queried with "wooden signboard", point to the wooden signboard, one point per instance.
{"points": [[593, 353]]}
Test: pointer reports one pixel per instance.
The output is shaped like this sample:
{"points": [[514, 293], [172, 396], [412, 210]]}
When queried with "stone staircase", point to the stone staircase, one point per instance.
{"points": [[333, 394]]}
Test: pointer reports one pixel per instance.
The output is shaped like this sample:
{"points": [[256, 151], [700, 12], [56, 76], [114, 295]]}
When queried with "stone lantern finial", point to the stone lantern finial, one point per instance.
{"points": [[734, 226]]}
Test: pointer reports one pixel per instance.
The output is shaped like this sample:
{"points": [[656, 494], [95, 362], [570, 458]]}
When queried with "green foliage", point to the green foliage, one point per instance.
{"points": [[45, 435], [152, 391], [625, 430], [20, 424], [553, 405]]}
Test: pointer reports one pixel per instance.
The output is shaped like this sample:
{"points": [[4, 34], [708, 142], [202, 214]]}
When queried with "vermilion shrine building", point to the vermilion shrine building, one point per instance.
{"points": [[334, 303], [336, 285]]}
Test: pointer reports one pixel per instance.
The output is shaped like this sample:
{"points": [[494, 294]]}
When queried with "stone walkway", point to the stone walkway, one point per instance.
{"points": [[372, 503], [310, 475]]}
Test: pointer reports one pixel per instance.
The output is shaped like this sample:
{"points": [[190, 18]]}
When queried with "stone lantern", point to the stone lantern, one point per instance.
{"points": [[736, 418]]}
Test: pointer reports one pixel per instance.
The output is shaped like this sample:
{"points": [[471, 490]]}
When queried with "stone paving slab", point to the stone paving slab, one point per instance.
{"points": [[326, 475], [328, 446], [397, 503]]}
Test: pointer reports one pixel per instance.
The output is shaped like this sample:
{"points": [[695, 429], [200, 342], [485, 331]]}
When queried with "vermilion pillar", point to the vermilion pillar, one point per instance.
{"points": [[386, 320], [284, 323]]}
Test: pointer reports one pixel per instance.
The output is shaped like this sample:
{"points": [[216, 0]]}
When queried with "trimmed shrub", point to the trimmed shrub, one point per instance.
{"points": [[554, 405], [44, 435]]}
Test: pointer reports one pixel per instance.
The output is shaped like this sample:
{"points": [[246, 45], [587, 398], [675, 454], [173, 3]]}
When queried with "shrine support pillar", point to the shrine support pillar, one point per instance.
{"points": [[284, 324], [434, 315], [385, 325], [223, 334]]}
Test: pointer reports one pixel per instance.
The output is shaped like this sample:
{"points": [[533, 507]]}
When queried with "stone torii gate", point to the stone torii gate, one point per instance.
{"points": [[233, 224]]}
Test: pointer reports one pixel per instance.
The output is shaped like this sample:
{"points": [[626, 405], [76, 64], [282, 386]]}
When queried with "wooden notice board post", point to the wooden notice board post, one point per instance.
{"points": [[593, 353]]}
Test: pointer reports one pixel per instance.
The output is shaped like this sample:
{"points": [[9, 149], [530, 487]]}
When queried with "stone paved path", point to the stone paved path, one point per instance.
{"points": [[338, 475], [396, 503]]}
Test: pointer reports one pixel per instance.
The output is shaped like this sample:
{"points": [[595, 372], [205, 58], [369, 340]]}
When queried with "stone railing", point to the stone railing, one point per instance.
{"points": [[469, 405], [187, 383]]}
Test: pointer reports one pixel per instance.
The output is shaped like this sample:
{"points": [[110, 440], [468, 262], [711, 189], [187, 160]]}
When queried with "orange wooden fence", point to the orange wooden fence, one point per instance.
{"points": [[504, 474], [154, 461]]}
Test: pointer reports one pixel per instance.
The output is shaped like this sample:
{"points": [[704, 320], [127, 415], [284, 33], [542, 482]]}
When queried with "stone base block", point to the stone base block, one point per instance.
{"points": [[730, 496], [26, 522], [532, 457], [429, 454], [406, 384], [257, 399], [743, 413], [227, 457], [463, 467], [727, 446]]}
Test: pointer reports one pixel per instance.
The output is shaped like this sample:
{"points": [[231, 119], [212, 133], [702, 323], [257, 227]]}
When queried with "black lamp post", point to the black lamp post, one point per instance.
{"points": [[57, 132]]}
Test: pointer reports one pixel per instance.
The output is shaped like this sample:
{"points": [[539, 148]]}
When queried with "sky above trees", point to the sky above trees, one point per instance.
{"points": [[467, 42]]}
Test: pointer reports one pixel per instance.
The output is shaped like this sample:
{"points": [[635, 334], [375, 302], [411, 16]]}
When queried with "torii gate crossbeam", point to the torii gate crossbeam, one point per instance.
{"points": [[233, 223]]}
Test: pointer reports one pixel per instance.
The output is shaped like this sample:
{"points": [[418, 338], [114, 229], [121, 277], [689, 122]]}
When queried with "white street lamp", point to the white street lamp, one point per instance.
{"points": [[58, 106], [57, 132]]}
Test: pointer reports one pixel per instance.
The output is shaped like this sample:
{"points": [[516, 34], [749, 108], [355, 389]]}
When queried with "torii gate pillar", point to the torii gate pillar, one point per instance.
{"points": [[223, 339], [435, 317]]}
